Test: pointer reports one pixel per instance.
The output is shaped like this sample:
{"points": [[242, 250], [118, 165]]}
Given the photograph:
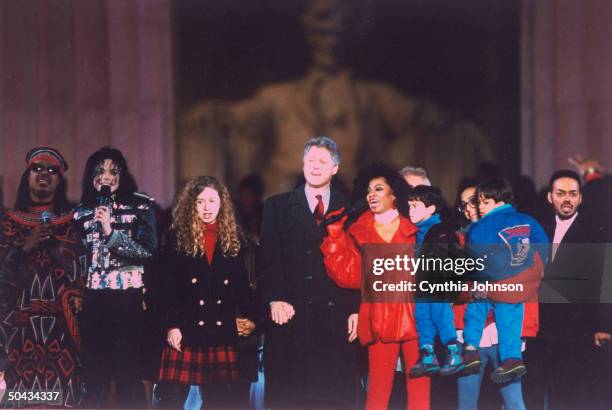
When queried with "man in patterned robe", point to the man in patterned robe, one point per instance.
{"points": [[41, 261]]}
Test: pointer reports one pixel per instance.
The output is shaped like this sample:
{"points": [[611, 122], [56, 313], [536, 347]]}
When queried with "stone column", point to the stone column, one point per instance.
{"points": [[81, 74], [566, 104]]}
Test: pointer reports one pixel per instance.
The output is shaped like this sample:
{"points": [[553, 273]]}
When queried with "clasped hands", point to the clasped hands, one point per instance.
{"points": [[282, 312]]}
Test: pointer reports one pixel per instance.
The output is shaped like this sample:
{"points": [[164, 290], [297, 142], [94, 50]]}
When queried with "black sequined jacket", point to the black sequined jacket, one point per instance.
{"points": [[116, 261]]}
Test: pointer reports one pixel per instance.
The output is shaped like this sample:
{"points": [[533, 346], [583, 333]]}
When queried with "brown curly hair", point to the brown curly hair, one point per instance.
{"points": [[187, 226]]}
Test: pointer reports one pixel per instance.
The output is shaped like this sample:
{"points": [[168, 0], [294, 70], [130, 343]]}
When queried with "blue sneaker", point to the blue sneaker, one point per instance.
{"points": [[427, 364], [453, 362]]}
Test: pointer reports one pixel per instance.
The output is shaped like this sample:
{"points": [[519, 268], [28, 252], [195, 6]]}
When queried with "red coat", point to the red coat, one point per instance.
{"points": [[531, 279], [378, 322]]}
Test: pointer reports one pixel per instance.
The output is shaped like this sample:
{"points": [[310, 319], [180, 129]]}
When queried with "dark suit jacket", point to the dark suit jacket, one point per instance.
{"points": [[291, 262], [575, 274], [440, 242], [566, 329], [576, 271], [309, 358]]}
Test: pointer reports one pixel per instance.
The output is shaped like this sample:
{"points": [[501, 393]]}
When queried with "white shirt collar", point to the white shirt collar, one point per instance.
{"points": [[567, 222], [311, 197], [561, 229]]}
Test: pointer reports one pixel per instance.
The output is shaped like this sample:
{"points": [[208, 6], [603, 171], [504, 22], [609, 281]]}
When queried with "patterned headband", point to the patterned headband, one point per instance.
{"points": [[49, 154]]}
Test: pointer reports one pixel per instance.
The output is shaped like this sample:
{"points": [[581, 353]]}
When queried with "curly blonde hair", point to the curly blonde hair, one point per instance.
{"points": [[188, 228]]}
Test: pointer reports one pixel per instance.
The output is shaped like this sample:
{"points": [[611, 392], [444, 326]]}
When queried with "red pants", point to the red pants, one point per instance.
{"points": [[383, 361]]}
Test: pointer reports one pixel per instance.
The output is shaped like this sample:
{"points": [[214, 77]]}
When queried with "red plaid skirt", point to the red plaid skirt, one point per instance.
{"points": [[194, 365]]}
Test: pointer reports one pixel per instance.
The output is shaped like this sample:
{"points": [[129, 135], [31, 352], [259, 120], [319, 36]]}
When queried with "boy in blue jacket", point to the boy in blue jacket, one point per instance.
{"points": [[506, 240], [433, 315]]}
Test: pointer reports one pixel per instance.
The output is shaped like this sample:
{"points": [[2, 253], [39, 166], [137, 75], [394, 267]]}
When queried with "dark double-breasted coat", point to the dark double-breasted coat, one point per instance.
{"points": [[308, 361], [204, 300]]}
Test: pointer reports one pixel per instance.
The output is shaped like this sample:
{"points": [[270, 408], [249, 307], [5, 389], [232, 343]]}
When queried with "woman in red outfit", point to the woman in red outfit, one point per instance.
{"points": [[386, 328]]}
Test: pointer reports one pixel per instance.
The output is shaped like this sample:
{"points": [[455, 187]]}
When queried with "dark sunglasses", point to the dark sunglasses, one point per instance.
{"points": [[51, 169]]}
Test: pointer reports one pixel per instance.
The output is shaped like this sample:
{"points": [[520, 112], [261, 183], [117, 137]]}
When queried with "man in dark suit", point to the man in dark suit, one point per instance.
{"points": [[309, 361], [576, 263], [569, 296]]}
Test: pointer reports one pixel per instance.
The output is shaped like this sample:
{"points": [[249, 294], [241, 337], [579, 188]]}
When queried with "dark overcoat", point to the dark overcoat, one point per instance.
{"points": [[308, 361]]}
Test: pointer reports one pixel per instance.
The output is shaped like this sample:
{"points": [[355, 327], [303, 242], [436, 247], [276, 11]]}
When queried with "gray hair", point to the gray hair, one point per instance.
{"points": [[324, 142], [417, 172]]}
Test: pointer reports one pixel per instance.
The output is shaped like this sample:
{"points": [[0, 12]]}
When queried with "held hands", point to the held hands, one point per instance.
{"points": [[245, 327], [38, 235], [352, 326], [601, 338], [281, 312], [102, 215], [174, 338]]}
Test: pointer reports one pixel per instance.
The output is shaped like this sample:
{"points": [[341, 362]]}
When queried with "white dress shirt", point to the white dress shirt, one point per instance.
{"points": [[311, 197], [561, 229]]}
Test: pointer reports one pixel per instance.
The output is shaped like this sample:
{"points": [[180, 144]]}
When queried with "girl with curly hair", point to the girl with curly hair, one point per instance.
{"points": [[386, 327], [209, 298]]}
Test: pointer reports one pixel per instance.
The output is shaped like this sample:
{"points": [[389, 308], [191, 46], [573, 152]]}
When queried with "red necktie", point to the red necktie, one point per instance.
{"points": [[318, 211]]}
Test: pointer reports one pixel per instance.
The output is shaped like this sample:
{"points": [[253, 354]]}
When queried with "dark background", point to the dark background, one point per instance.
{"points": [[462, 55]]}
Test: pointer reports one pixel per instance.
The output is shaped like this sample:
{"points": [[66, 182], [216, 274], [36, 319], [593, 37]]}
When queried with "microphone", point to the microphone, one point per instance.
{"points": [[352, 213], [46, 217], [104, 199]]}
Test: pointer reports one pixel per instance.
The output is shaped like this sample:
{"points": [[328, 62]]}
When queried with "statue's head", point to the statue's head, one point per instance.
{"points": [[325, 24]]}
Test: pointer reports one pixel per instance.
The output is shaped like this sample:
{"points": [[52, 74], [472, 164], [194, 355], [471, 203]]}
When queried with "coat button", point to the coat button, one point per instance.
{"points": [[218, 301], [201, 323], [309, 252], [194, 280], [309, 302], [331, 303], [309, 277], [201, 302], [219, 323]]}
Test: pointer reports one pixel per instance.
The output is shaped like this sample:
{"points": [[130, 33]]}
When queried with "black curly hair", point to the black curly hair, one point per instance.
{"points": [[127, 184], [398, 185]]}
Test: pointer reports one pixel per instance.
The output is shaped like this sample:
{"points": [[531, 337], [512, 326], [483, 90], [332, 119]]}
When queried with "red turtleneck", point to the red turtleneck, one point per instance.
{"points": [[210, 238]]}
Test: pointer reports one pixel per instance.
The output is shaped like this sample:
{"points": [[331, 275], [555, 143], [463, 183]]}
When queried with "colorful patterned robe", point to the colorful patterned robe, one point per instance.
{"points": [[38, 327]]}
